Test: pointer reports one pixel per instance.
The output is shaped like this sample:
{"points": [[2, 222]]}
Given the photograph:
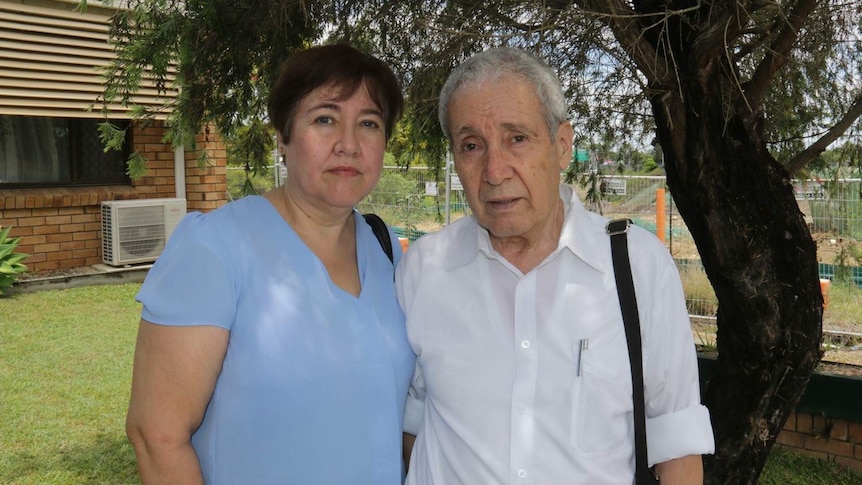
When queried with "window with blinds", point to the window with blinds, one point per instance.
{"points": [[51, 91]]}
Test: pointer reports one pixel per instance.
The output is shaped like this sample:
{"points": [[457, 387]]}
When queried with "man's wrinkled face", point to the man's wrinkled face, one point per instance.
{"points": [[507, 161]]}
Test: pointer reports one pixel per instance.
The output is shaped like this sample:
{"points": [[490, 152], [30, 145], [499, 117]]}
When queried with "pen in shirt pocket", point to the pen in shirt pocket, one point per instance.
{"points": [[583, 347]]}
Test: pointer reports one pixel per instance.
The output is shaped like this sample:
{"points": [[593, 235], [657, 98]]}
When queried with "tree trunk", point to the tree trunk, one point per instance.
{"points": [[738, 203]]}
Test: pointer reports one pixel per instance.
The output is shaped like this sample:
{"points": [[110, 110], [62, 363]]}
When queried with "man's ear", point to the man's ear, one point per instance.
{"points": [[564, 136]]}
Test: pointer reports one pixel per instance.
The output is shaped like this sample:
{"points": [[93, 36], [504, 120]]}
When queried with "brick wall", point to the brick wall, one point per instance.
{"points": [[834, 440], [60, 227], [207, 189]]}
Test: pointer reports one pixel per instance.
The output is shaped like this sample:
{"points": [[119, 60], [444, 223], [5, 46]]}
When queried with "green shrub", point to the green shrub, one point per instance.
{"points": [[650, 165], [10, 262]]}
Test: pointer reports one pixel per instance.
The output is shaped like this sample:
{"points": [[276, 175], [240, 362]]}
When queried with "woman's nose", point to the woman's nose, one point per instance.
{"points": [[348, 143]]}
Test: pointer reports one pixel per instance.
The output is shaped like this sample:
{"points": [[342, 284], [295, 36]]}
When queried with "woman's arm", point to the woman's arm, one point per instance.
{"points": [[174, 375]]}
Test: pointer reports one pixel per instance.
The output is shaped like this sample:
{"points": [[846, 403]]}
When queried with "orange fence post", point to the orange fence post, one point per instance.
{"points": [[825, 284], [659, 214]]}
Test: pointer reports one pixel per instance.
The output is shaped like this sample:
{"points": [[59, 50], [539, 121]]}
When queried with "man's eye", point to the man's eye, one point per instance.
{"points": [[469, 147], [519, 138]]}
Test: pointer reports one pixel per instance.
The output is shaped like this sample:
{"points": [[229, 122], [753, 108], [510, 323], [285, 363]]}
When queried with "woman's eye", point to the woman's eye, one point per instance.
{"points": [[324, 120], [370, 124]]}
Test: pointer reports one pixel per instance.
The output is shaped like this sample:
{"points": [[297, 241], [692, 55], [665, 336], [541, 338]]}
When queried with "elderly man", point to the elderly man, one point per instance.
{"points": [[523, 373]]}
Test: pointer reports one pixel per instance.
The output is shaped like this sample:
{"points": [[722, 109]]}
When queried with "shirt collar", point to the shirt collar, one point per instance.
{"points": [[583, 234]]}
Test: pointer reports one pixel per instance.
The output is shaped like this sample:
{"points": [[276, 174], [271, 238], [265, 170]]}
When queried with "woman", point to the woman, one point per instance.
{"points": [[271, 348]]}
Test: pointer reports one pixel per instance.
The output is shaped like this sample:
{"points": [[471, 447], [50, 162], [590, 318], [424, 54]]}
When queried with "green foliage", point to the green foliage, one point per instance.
{"points": [[242, 183], [136, 165], [251, 146], [220, 55], [589, 179], [392, 190], [813, 91], [849, 256], [112, 136], [10, 262], [414, 144], [650, 165], [203, 160], [401, 201]]}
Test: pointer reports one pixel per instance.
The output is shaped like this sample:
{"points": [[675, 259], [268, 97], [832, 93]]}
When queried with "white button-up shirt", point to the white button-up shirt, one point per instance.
{"points": [[525, 378]]}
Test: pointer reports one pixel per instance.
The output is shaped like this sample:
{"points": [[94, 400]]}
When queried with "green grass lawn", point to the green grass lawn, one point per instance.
{"points": [[65, 371]]}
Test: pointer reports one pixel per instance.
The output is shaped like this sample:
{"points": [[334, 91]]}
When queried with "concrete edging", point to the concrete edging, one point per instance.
{"points": [[101, 275]]}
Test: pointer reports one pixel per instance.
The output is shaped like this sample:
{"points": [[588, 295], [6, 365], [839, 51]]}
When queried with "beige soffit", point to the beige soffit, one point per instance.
{"points": [[50, 57]]}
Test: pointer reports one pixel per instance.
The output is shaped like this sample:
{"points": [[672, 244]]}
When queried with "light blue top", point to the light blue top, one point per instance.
{"points": [[314, 381]]}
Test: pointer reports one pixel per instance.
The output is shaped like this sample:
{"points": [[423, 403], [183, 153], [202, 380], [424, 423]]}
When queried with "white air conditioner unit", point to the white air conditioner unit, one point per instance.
{"points": [[135, 231]]}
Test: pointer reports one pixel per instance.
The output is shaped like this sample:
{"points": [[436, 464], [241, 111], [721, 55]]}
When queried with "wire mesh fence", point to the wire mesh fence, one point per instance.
{"points": [[414, 202]]}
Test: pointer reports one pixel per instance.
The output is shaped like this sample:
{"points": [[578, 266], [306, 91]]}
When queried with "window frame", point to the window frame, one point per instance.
{"points": [[76, 156]]}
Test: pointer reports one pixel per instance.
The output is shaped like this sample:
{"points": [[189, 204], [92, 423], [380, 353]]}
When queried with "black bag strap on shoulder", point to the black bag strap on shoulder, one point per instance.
{"points": [[618, 232], [381, 232]]}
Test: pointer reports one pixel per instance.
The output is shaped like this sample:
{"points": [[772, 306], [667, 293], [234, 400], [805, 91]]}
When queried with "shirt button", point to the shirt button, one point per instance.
{"points": [[522, 473], [525, 344]]}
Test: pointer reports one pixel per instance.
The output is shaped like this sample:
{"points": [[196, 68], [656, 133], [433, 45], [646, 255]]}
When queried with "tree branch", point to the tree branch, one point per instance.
{"points": [[805, 156], [718, 34], [776, 56], [760, 35], [623, 21]]}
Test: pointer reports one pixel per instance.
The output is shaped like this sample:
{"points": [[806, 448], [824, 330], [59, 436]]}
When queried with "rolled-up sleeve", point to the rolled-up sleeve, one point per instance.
{"points": [[677, 423], [678, 434]]}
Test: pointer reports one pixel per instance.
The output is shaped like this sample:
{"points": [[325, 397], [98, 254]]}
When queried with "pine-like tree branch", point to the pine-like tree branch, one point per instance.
{"points": [[805, 156], [777, 54], [731, 18], [623, 21]]}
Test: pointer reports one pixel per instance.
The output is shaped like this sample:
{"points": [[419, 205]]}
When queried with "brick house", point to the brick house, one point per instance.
{"points": [[54, 174]]}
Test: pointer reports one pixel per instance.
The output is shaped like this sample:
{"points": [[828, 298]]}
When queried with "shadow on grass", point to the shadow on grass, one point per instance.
{"points": [[107, 459]]}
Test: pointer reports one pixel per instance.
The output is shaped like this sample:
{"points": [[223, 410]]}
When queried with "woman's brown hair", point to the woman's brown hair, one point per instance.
{"points": [[342, 67]]}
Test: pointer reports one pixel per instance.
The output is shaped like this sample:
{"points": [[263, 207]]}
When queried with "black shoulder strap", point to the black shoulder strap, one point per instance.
{"points": [[618, 232], [382, 233]]}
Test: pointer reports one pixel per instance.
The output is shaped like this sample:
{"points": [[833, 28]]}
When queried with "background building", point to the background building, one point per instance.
{"points": [[54, 174]]}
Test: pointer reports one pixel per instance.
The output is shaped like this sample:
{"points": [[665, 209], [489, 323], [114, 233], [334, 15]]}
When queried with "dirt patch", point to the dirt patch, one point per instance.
{"points": [[59, 273], [832, 249]]}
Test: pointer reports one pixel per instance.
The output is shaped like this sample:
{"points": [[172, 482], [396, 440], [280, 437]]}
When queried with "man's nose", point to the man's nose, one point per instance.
{"points": [[498, 165]]}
